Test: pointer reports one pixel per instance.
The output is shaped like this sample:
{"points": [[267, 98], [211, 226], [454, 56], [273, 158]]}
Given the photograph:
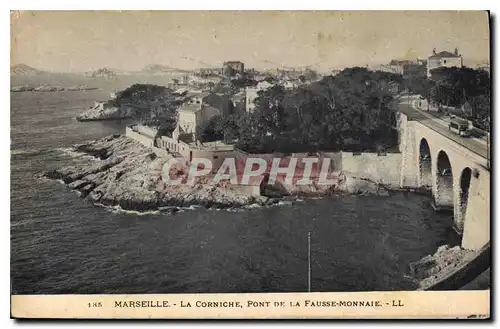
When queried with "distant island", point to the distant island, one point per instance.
{"points": [[106, 72], [46, 88], [23, 69], [157, 69], [103, 72]]}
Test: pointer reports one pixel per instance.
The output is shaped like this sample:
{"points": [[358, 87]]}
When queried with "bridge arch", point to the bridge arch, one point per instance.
{"points": [[425, 164], [463, 198], [443, 197]]}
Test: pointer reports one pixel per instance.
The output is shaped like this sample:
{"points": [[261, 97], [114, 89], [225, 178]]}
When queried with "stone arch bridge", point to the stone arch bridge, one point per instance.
{"points": [[454, 168]]}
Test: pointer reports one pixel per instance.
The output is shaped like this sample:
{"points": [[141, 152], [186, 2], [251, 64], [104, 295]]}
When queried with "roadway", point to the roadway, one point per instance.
{"points": [[476, 145]]}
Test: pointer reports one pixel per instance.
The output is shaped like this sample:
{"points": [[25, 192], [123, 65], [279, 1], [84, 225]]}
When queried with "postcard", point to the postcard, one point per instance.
{"points": [[250, 164]]}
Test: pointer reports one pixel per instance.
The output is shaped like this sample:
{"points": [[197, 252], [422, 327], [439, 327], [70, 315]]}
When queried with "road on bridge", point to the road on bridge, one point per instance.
{"points": [[404, 104]]}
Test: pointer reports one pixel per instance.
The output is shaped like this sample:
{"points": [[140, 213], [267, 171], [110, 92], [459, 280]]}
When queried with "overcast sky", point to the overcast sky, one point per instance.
{"points": [[81, 41]]}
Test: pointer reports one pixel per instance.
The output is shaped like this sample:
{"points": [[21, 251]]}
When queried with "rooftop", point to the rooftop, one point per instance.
{"points": [[444, 54], [239, 96], [202, 94], [193, 108]]}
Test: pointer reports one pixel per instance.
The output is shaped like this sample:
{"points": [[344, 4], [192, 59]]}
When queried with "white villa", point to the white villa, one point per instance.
{"points": [[443, 59]]}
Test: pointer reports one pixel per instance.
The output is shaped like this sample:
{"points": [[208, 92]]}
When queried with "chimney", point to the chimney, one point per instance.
{"points": [[434, 51], [456, 51]]}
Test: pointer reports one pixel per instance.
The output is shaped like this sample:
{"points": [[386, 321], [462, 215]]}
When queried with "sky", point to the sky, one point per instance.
{"points": [[77, 41]]}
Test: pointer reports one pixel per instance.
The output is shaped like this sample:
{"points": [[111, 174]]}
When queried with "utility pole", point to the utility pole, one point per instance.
{"points": [[309, 261]]}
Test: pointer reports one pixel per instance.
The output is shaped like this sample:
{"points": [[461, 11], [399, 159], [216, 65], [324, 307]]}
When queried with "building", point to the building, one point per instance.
{"points": [[251, 93], [203, 79], [292, 84], [104, 105], [443, 59], [239, 102], [200, 109], [174, 143], [232, 68], [263, 85], [415, 68]]}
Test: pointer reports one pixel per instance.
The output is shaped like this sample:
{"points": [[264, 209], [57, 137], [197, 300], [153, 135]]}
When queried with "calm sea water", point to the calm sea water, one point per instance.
{"points": [[63, 244]]}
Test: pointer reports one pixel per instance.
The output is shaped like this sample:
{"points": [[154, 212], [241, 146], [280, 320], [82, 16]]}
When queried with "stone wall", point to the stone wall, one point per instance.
{"points": [[336, 158], [144, 140], [477, 219], [145, 130], [246, 189], [161, 153], [409, 169], [384, 169]]}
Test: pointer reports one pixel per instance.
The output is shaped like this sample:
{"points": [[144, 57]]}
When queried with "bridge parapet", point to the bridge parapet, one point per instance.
{"points": [[459, 178]]}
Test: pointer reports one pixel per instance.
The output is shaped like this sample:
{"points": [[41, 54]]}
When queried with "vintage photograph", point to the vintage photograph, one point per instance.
{"points": [[176, 152]]}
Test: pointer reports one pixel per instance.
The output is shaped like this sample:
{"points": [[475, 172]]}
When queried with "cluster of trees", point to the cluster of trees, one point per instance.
{"points": [[452, 86], [349, 111], [150, 104]]}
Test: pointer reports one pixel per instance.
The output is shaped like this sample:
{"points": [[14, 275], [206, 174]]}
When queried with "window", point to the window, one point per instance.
{"points": [[445, 61], [216, 157]]}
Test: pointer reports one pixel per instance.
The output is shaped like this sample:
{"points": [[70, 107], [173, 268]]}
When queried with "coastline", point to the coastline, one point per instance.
{"points": [[118, 171], [122, 175]]}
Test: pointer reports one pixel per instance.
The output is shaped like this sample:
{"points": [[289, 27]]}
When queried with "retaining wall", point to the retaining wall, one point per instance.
{"points": [[385, 169]]}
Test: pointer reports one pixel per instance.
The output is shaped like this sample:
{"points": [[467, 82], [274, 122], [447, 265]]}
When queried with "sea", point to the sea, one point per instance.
{"points": [[61, 243]]}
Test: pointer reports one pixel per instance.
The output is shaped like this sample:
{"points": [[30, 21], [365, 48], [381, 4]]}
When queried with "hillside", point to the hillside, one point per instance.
{"points": [[160, 69], [151, 104], [23, 69]]}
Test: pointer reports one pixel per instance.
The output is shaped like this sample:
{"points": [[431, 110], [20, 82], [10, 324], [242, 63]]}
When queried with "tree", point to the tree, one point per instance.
{"points": [[212, 130], [481, 111], [151, 104], [348, 111], [457, 85]]}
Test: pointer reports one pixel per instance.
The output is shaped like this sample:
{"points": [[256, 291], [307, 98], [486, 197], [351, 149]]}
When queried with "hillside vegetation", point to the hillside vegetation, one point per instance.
{"points": [[349, 111], [151, 104]]}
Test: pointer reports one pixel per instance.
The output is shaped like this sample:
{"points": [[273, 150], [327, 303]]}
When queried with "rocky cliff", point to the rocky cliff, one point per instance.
{"points": [[117, 171], [105, 113]]}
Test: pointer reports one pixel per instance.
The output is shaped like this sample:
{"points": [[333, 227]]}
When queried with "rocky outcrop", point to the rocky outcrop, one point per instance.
{"points": [[361, 186], [117, 171], [97, 113], [444, 263]]}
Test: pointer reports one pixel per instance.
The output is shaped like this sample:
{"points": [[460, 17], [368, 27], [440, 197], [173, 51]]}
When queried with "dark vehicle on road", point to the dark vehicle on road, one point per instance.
{"points": [[459, 127]]}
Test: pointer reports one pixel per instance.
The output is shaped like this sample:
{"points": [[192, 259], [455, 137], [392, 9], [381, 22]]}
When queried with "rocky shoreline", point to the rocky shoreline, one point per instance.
{"points": [[443, 267], [111, 113], [121, 174], [117, 171]]}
